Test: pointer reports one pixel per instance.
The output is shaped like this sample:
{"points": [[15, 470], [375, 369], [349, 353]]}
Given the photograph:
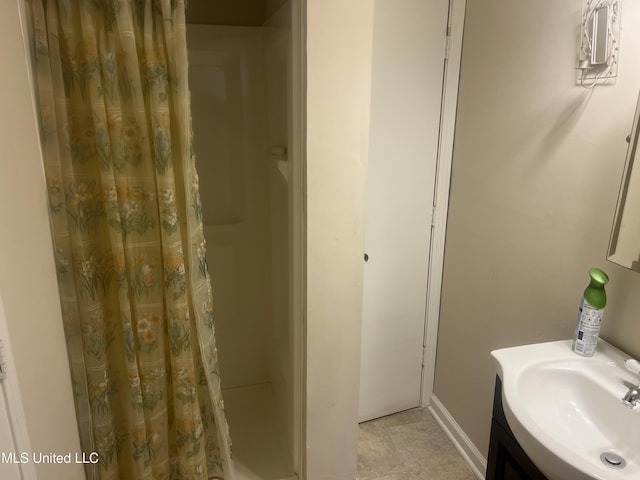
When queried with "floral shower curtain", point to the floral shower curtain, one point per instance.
{"points": [[111, 79]]}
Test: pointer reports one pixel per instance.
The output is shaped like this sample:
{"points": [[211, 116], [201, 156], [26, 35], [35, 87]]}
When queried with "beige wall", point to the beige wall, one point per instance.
{"points": [[27, 276], [339, 42], [536, 171]]}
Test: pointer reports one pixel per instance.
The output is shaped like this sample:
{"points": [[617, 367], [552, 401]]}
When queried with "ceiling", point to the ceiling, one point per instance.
{"points": [[251, 13]]}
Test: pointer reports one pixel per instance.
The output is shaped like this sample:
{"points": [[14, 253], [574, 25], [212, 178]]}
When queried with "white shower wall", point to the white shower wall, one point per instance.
{"points": [[238, 81], [227, 78]]}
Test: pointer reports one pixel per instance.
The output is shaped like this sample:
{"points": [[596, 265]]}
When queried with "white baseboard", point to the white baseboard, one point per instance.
{"points": [[476, 461]]}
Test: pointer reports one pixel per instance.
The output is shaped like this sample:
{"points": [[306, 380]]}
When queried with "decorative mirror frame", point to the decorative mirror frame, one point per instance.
{"points": [[624, 244]]}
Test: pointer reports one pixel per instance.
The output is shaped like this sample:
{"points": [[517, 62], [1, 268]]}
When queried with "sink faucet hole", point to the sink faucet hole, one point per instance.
{"points": [[613, 460]]}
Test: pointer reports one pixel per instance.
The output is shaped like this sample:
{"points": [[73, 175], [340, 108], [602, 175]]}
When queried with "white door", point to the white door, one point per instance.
{"points": [[407, 75]]}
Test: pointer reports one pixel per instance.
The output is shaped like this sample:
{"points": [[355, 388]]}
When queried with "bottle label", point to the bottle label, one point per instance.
{"points": [[587, 329]]}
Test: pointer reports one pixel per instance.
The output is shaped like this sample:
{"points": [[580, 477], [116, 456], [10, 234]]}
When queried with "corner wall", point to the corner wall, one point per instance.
{"points": [[282, 361], [536, 171], [339, 48]]}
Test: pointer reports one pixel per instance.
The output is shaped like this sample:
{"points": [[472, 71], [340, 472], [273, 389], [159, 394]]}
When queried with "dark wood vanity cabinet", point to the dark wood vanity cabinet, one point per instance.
{"points": [[507, 460]]}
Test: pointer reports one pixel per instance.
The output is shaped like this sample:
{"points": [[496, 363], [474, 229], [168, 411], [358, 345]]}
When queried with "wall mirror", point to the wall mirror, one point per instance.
{"points": [[624, 245]]}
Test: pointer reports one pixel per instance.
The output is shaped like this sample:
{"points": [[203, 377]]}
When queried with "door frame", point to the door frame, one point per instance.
{"points": [[453, 57], [297, 157], [9, 387], [10, 390]]}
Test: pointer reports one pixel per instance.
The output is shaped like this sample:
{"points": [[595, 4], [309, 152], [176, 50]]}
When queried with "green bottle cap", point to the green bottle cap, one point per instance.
{"points": [[594, 293], [598, 276]]}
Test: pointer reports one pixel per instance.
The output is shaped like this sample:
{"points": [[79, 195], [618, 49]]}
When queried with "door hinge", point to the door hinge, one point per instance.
{"points": [[3, 362], [433, 216], [447, 43]]}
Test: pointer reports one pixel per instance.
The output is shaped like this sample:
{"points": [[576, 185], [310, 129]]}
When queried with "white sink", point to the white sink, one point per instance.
{"points": [[566, 410]]}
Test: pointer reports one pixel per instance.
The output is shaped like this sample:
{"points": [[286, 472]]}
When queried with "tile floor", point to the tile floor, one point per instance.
{"points": [[408, 446]]}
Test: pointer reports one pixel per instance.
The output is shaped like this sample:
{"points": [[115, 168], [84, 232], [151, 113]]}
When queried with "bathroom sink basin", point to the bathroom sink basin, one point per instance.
{"points": [[566, 410]]}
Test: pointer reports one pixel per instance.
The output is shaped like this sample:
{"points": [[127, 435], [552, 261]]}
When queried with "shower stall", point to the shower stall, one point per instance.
{"points": [[241, 95]]}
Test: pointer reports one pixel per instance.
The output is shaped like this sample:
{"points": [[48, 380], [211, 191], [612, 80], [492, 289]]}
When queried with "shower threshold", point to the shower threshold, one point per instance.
{"points": [[259, 446]]}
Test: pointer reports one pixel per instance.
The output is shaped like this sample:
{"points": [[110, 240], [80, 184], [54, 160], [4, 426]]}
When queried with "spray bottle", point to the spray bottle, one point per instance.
{"points": [[590, 314]]}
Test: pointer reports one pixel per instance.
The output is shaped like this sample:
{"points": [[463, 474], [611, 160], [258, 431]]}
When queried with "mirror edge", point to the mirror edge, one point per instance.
{"points": [[612, 254]]}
